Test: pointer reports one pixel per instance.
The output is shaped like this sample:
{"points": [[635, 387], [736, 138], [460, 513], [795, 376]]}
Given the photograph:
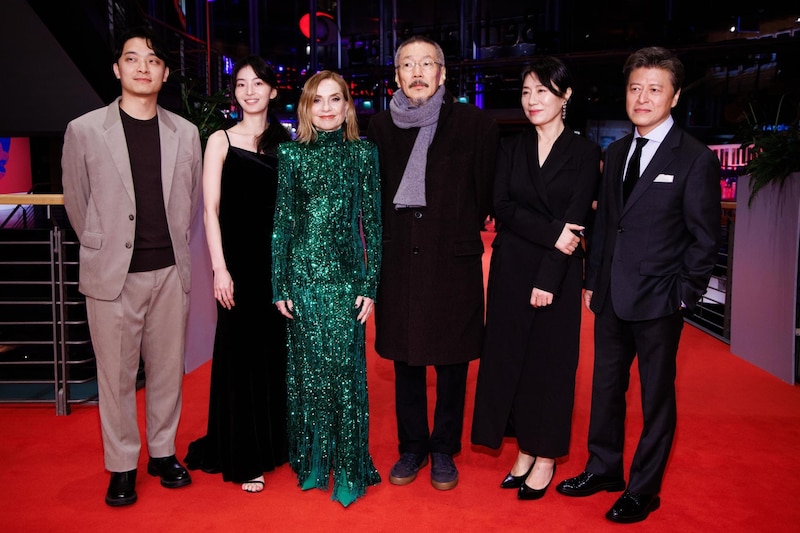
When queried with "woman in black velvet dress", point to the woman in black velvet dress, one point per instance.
{"points": [[247, 408]]}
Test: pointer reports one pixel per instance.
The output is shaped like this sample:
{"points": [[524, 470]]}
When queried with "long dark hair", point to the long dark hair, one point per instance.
{"points": [[275, 133]]}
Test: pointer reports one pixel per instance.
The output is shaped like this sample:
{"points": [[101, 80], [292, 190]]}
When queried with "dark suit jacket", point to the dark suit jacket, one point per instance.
{"points": [[99, 197], [658, 250]]}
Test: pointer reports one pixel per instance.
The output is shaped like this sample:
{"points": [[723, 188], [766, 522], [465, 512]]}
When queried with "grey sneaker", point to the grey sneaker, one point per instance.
{"points": [[405, 470], [444, 474]]}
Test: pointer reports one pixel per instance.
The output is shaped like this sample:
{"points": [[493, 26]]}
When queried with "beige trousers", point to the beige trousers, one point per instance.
{"points": [[148, 319]]}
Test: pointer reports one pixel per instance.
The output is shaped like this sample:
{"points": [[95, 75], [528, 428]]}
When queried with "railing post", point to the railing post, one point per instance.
{"points": [[59, 322]]}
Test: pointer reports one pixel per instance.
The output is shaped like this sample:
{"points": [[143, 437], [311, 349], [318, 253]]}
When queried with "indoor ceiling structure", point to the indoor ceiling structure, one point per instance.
{"points": [[732, 49], [559, 26]]}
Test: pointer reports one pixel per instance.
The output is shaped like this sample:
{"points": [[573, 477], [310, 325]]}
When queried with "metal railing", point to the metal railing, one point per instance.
{"points": [[46, 354], [713, 312]]}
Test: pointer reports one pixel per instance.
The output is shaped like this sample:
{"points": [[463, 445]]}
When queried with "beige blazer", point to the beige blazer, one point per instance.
{"points": [[99, 196]]}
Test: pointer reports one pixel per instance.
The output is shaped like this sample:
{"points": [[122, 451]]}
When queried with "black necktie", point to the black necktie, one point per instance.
{"points": [[632, 172]]}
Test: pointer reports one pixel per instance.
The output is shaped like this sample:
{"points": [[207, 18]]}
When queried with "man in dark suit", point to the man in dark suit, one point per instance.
{"points": [[651, 255], [131, 175]]}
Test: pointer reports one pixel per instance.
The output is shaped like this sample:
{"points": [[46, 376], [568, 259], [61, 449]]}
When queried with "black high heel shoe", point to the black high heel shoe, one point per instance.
{"points": [[527, 493], [515, 482]]}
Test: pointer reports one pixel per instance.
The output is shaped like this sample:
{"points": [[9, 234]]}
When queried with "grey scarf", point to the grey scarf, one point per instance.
{"points": [[411, 192]]}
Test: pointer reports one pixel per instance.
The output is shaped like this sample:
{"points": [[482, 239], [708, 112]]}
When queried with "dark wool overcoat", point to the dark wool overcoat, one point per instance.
{"points": [[526, 381], [430, 301]]}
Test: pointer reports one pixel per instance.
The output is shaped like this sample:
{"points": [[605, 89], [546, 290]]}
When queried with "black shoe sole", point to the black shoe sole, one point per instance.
{"points": [[119, 502]]}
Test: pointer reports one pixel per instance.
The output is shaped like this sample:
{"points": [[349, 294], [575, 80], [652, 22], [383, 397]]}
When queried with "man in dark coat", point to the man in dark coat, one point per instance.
{"points": [[651, 255], [437, 161]]}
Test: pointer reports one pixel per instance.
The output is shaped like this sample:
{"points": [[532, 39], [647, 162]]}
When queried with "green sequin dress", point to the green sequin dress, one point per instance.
{"points": [[321, 262]]}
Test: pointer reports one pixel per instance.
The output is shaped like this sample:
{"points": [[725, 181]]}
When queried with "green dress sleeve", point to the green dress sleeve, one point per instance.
{"points": [[283, 224], [371, 219]]}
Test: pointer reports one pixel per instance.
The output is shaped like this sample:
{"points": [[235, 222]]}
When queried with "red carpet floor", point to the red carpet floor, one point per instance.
{"points": [[735, 467]]}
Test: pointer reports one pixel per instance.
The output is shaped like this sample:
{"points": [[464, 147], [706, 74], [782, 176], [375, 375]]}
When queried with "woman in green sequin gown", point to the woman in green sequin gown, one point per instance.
{"points": [[324, 276]]}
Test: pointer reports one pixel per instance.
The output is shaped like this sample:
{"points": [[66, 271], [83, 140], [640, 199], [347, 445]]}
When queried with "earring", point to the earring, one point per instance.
{"points": [[564, 110]]}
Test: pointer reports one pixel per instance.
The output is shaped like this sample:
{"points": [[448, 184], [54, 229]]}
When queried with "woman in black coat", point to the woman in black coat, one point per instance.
{"points": [[544, 185]]}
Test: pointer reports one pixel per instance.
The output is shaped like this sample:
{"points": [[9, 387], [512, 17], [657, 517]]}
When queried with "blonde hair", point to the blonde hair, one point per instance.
{"points": [[306, 132]]}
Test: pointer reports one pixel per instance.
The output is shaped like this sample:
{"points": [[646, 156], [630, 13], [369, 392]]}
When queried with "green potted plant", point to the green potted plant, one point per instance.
{"points": [[207, 112], [775, 147], [764, 293]]}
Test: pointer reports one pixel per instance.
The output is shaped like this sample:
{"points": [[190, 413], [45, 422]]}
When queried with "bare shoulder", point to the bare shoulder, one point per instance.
{"points": [[217, 137]]}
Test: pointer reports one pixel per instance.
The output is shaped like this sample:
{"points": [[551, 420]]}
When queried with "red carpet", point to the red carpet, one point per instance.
{"points": [[735, 467]]}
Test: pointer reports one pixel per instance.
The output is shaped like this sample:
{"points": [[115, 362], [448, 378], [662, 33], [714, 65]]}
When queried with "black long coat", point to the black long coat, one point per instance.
{"points": [[527, 373], [430, 302]]}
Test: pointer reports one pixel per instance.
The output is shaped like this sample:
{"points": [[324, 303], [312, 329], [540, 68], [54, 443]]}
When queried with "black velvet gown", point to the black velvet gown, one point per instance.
{"points": [[247, 406]]}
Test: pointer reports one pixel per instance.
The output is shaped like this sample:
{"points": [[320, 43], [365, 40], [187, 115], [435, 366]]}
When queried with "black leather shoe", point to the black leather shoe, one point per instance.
{"points": [[515, 482], [172, 474], [527, 493], [122, 488], [633, 507], [587, 484]]}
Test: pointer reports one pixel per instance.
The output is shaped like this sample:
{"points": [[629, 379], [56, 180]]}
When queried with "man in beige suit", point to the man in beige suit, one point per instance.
{"points": [[131, 175]]}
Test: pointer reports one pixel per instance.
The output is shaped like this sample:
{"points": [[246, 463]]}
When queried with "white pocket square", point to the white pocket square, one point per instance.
{"points": [[664, 178]]}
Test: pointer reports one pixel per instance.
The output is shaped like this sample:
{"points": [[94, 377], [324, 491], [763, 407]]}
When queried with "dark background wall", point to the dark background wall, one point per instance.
{"points": [[56, 59]]}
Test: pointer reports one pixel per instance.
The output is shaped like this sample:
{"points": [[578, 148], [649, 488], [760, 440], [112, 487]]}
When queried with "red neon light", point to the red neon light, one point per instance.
{"points": [[305, 22]]}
